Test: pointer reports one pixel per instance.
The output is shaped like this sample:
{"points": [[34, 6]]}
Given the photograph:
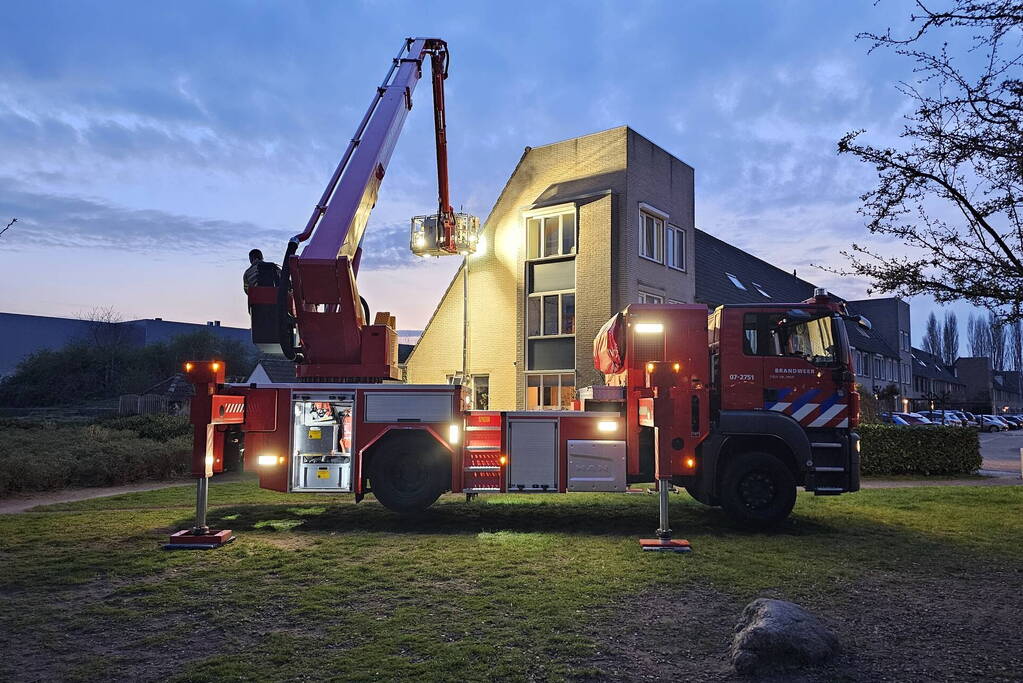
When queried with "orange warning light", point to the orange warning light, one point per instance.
{"points": [[690, 463], [503, 460], [188, 367], [677, 366], [649, 367], [215, 366]]}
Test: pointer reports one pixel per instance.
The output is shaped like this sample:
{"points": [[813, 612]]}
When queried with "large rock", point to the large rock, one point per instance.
{"points": [[774, 634]]}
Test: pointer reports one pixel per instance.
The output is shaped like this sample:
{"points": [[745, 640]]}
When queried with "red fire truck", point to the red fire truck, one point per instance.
{"points": [[739, 407]]}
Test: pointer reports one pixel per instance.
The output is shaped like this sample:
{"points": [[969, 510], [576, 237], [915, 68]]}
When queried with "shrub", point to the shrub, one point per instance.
{"points": [[94, 455], [158, 427], [886, 449]]}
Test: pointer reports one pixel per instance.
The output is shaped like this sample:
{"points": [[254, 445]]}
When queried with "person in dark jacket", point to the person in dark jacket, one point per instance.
{"points": [[260, 273]]}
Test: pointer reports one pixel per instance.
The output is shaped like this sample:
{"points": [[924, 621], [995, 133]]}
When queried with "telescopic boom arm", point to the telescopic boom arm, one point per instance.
{"points": [[318, 295]]}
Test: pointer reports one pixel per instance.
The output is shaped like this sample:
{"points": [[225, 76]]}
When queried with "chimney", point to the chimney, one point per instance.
{"points": [[216, 323]]}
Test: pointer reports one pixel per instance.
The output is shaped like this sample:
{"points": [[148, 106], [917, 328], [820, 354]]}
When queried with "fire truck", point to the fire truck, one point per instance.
{"points": [[739, 406]]}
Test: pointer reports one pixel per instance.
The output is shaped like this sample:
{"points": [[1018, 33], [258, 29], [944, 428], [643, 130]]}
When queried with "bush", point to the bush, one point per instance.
{"points": [[886, 449], [158, 427], [104, 454]]}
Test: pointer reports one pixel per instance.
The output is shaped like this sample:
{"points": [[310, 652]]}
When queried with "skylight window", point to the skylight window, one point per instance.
{"points": [[736, 282], [761, 290]]}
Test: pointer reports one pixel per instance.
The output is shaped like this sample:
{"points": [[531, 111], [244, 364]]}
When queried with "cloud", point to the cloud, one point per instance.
{"points": [[64, 221]]}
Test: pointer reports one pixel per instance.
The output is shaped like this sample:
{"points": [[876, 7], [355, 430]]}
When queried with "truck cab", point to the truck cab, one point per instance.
{"points": [[783, 406]]}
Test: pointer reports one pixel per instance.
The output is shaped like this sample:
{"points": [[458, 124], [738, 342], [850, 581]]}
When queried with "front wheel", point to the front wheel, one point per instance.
{"points": [[758, 490], [407, 479]]}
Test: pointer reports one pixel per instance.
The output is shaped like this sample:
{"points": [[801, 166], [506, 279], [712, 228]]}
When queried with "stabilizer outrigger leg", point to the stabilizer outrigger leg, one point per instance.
{"points": [[200, 536], [664, 542], [207, 450]]}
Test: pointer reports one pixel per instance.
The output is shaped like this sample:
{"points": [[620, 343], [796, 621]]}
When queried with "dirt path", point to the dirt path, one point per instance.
{"points": [[21, 503]]}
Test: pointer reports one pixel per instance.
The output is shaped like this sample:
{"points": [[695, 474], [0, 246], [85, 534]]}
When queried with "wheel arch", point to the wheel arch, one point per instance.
{"points": [[403, 436], [762, 430]]}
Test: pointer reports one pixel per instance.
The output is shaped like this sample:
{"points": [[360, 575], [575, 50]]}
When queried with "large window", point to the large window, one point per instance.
{"points": [[550, 392], [549, 315], [676, 248], [651, 237], [647, 298], [550, 293], [550, 236]]}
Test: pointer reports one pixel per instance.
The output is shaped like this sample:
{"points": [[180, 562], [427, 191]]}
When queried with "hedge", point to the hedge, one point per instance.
{"points": [[40, 456], [887, 449]]}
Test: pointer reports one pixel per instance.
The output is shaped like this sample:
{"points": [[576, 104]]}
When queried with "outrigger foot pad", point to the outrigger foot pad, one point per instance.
{"points": [[186, 540], [665, 545]]}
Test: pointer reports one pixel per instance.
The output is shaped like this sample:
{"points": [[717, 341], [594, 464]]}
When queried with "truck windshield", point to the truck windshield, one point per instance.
{"points": [[813, 340]]}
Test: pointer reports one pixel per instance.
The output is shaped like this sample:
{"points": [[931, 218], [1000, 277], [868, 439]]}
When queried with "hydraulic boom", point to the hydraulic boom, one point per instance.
{"points": [[316, 316]]}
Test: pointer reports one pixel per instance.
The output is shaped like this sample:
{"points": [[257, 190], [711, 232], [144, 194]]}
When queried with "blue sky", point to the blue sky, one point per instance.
{"points": [[146, 148]]}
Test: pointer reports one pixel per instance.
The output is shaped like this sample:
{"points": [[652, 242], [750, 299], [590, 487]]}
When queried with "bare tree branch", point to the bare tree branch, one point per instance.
{"points": [[953, 193], [13, 221]]}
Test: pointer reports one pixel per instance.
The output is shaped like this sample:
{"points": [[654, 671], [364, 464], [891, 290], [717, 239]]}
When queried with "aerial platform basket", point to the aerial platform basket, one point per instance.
{"points": [[430, 239]]}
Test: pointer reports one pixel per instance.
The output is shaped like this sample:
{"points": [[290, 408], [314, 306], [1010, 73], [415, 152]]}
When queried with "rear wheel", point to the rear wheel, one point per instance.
{"points": [[408, 475], [758, 490]]}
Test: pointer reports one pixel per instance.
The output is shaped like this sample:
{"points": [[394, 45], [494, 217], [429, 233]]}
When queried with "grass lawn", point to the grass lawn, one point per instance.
{"points": [[920, 584]]}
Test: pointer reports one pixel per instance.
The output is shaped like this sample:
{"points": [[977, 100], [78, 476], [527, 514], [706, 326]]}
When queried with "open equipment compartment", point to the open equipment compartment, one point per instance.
{"points": [[322, 442]]}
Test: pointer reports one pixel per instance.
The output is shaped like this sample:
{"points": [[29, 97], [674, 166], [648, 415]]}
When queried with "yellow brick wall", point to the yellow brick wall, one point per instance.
{"points": [[439, 350], [589, 164]]}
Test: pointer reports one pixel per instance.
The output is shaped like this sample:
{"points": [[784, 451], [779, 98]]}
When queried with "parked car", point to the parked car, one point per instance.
{"points": [[915, 418], [894, 419], [990, 423], [1014, 422], [964, 417], [942, 417]]}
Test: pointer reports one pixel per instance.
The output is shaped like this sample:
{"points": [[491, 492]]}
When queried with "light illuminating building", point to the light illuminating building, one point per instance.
{"points": [[582, 228]]}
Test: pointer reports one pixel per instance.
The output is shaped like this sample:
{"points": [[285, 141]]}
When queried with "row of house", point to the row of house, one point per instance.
{"points": [[586, 226]]}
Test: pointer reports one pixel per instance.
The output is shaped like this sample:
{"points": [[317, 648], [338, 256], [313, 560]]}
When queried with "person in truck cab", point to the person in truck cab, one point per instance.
{"points": [[260, 273]]}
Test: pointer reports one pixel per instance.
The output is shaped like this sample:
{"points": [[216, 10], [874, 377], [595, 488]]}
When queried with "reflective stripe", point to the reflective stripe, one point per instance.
{"points": [[828, 415], [804, 411], [843, 423], [780, 407]]}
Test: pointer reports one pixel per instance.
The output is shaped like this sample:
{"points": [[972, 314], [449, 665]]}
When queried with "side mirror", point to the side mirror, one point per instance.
{"points": [[860, 320]]}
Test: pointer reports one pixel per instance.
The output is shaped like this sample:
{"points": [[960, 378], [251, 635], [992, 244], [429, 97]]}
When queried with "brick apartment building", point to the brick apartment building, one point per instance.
{"points": [[588, 225], [582, 228]]}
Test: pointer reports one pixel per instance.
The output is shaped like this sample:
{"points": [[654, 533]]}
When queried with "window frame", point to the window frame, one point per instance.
{"points": [[473, 389], [670, 230], [658, 215], [649, 295], [560, 293], [548, 373], [547, 212]]}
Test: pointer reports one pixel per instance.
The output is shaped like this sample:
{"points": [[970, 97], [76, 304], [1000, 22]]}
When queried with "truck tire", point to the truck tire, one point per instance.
{"points": [[758, 490], [406, 478]]}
